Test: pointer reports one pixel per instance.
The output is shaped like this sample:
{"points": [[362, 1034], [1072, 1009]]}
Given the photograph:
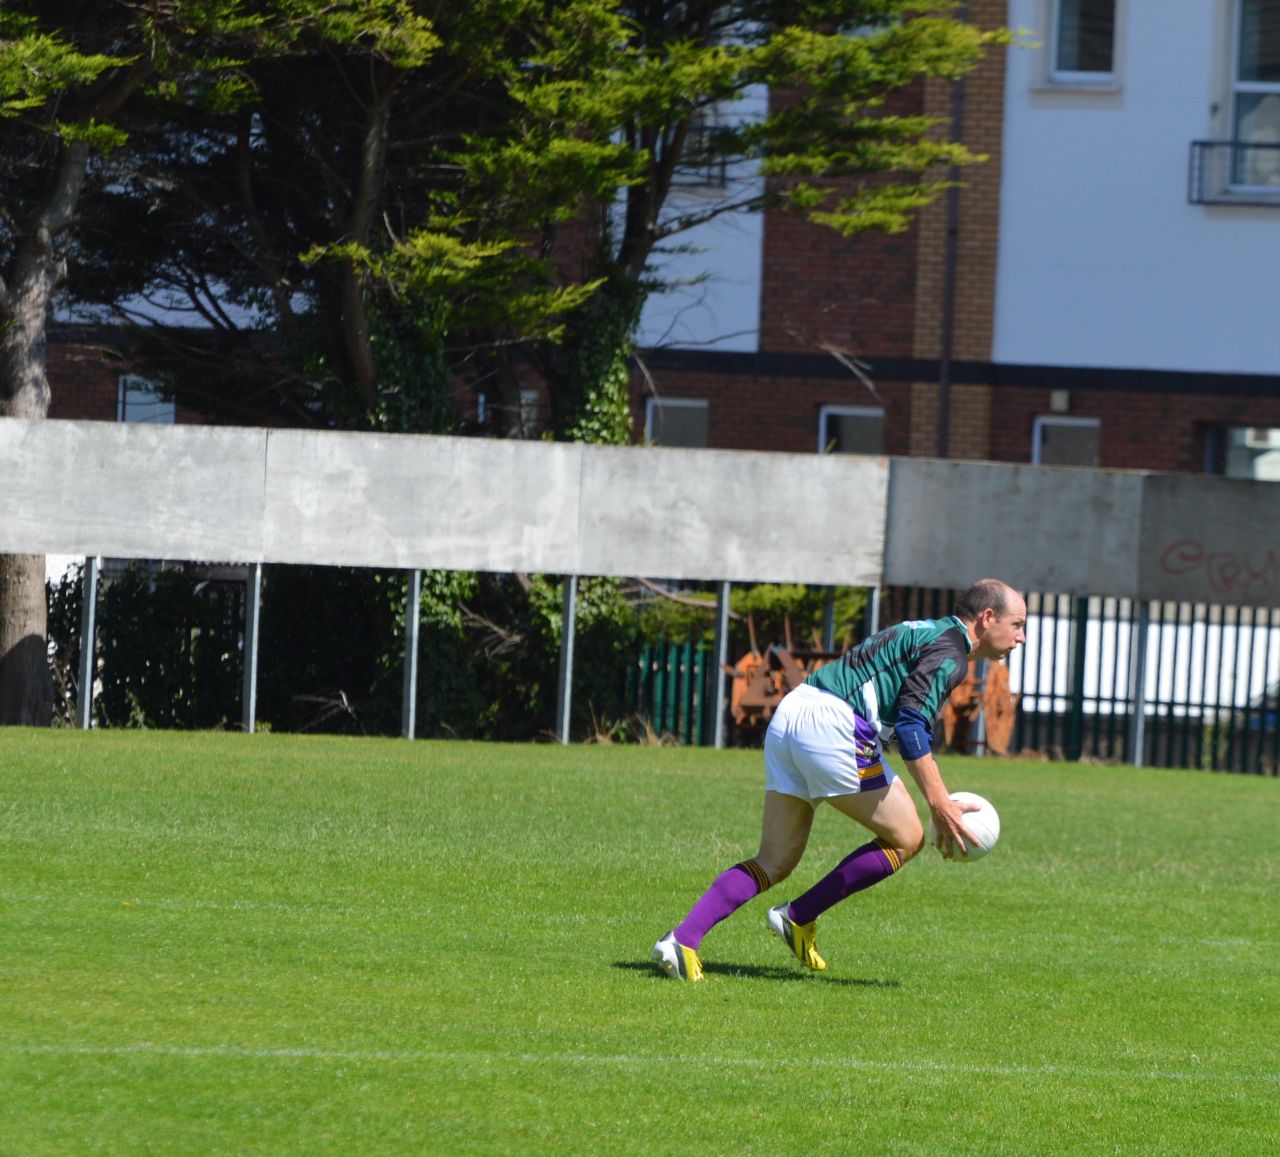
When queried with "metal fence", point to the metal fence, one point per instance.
{"points": [[670, 686], [1186, 685], [1183, 685], [1164, 684]]}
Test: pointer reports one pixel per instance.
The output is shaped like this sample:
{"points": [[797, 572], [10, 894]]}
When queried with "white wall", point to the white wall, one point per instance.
{"points": [[1102, 260], [714, 301], [714, 269]]}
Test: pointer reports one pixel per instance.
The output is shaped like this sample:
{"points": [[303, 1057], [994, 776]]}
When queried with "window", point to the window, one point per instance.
{"points": [[676, 422], [138, 400], [851, 430], [1059, 441], [1082, 42], [1245, 452], [515, 420], [702, 162], [1255, 96]]}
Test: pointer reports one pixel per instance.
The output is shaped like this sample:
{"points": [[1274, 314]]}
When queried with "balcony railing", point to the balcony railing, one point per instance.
{"points": [[1234, 173]]}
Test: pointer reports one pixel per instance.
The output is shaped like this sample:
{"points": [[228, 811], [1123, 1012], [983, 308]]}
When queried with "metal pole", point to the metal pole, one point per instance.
{"points": [[950, 264], [873, 616], [88, 633], [252, 603], [715, 677], [564, 696], [412, 618], [1075, 720], [829, 621], [980, 725], [1138, 723]]}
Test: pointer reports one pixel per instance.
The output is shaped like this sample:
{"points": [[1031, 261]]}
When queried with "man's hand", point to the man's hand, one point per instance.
{"points": [[948, 815], [948, 823]]}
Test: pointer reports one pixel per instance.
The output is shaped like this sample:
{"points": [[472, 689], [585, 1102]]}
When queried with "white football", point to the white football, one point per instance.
{"points": [[983, 825]]}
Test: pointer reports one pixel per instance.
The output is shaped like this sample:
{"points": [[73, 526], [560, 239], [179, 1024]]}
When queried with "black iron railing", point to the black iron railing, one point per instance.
{"points": [[1106, 679]]}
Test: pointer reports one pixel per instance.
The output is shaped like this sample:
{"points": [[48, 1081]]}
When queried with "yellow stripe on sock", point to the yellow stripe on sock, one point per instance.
{"points": [[895, 860], [757, 873]]}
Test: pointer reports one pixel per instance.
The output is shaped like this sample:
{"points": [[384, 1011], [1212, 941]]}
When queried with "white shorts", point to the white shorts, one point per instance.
{"points": [[817, 746]]}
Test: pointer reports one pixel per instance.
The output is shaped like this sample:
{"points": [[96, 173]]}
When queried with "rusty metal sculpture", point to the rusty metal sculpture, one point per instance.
{"points": [[762, 678]]}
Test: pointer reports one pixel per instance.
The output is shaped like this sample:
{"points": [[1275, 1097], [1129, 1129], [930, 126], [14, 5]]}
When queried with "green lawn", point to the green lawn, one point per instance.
{"points": [[270, 944]]}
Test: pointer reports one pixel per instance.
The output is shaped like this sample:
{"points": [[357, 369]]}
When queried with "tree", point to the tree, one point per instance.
{"points": [[373, 219], [34, 68], [73, 75], [825, 147], [366, 203], [317, 255]]}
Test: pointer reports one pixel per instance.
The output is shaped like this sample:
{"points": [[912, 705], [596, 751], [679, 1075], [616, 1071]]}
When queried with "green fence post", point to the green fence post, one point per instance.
{"points": [[659, 692], [672, 706], [686, 675], [700, 682]]}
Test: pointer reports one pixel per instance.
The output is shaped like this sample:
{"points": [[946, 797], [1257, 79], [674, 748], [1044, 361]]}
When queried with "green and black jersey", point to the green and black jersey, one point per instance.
{"points": [[914, 665]]}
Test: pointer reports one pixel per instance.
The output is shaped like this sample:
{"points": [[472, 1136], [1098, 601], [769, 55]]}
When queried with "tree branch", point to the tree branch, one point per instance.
{"points": [[268, 261], [355, 311], [708, 605]]}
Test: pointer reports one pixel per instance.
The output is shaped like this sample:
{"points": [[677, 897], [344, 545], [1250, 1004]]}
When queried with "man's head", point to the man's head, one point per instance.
{"points": [[996, 616]]}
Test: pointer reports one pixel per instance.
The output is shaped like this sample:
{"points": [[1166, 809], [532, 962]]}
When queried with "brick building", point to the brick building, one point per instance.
{"points": [[1097, 293], [90, 380], [1079, 300]]}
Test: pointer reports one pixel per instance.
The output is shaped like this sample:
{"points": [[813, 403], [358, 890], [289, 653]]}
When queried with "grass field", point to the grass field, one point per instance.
{"points": [[232, 944]]}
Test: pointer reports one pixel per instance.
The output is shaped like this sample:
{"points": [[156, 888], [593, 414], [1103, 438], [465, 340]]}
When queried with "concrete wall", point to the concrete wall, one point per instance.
{"points": [[1061, 530], [1042, 528], [131, 491], [251, 495], [219, 494], [1212, 540]]}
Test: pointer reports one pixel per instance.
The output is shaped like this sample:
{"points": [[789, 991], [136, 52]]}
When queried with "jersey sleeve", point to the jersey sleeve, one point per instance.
{"points": [[913, 732], [938, 671]]}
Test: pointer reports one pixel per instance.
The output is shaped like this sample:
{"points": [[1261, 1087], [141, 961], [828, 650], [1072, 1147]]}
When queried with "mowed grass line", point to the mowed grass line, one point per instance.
{"points": [[270, 944]]}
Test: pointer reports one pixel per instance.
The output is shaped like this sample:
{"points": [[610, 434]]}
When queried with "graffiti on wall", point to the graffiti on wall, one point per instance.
{"points": [[1227, 571]]}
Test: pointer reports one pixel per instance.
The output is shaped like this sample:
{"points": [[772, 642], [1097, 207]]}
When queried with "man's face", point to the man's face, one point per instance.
{"points": [[999, 634]]}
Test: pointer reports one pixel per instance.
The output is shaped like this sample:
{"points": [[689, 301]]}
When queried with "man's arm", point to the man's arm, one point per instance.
{"points": [[948, 815]]}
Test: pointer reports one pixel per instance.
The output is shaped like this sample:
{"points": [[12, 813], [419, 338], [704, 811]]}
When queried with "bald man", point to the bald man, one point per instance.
{"points": [[825, 744]]}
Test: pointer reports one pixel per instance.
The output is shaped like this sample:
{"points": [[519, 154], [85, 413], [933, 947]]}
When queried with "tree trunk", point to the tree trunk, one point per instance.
{"points": [[26, 686], [355, 306]]}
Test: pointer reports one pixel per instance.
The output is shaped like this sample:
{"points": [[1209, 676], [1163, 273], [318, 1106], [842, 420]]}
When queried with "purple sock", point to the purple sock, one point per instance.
{"points": [[868, 865], [732, 888]]}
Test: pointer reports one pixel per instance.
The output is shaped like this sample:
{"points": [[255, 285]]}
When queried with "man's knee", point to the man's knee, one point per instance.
{"points": [[908, 841], [777, 868], [783, 834]]}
